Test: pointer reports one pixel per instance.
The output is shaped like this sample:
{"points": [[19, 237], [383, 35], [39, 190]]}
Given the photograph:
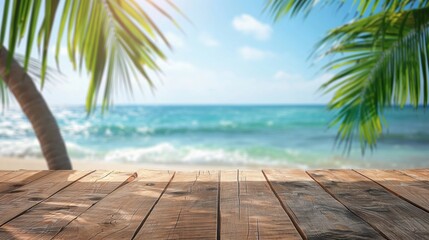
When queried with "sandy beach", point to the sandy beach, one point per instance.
{"points": [[15, 163]]}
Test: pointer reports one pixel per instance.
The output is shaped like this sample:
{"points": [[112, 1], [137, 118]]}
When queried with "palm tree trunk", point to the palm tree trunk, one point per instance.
{"points": [[37, 111]]}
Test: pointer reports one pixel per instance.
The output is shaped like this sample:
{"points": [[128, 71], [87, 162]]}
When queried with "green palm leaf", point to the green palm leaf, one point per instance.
{"points": [[115, 41], [380, 61], [384, 62], [281, 8]]}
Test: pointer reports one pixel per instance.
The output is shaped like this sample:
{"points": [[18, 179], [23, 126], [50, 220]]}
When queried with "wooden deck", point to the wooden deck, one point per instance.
{"points": [[269, 204]]}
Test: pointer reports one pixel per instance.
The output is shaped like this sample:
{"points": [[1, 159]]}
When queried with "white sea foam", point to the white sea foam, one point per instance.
{"points": [[65, 114], [13, 128], [166, 153], [292, 152], [169, 153], [75, 128], [144, 130], [31, 148], [225, 123], [157, 153], [77, 151], [20, 149], [162, 153], [7, 132]]}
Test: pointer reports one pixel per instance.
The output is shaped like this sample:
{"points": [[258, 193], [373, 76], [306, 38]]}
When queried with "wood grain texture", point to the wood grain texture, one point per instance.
{"points": [[250, 210], [21, 199], [341, 204], [4, 172], [119, 214], [16, 179], [419, 174], [46, 219], [316, 212], [187, 210], [391, 215], [401, 184]]}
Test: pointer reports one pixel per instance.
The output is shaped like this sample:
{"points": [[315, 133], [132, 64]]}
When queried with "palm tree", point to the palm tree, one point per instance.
{"points": [[381, 59], [115, 41]]}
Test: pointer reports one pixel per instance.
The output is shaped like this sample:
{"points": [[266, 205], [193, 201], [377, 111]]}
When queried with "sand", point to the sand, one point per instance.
{"points": [[14, 163]]}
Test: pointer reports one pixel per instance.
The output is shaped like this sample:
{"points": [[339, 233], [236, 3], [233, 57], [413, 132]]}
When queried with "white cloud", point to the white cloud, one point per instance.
{"points": [[208, 40], [282, 75], [175, 40], [249, 25], [249, 53]]}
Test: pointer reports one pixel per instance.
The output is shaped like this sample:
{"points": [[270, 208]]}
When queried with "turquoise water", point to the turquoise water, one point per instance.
{"points": [[287, 136]]}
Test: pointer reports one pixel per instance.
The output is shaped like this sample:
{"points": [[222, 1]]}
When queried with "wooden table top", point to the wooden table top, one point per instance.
{"points": [[267, 204]]}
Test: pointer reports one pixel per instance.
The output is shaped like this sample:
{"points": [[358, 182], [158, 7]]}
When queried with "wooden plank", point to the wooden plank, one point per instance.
{"points": [[317, 214], [119, 214], [7, 176], [18, 201], [16, 179], [406, 187], [4, 172], [46, 219], [250, 210], [420, 174], [391, 215], [187, 210]]}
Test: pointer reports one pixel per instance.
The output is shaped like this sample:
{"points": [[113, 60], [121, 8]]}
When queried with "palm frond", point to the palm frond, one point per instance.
{"points": [[4, 96], [116, 41], [281, 8], [384, 62], [381, 60]]}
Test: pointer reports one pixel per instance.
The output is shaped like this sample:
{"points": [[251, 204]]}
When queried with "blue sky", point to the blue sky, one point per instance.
{"points": [[231, 53]]}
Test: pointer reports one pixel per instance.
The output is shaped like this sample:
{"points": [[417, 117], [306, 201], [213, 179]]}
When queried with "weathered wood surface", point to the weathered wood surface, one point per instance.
{"points": [[402, 185], [392, 216], [187, 210], [249, 209], [419, 174], [119, 215], [46, 219], [12, 180], [15, 202], [318, 214], [269, 204]]}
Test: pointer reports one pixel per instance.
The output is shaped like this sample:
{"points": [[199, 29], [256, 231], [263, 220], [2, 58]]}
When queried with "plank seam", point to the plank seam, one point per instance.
{"points": [[392, 192], [401, 171], [128, 180], [8, 178], [151, 209], [286, 208], [28, 209], [48, 172], [333, 196], [238, 192], [218, 218]]}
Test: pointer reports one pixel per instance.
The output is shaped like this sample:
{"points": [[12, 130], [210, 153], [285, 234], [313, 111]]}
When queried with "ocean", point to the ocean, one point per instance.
{"points": [[253, 136]]}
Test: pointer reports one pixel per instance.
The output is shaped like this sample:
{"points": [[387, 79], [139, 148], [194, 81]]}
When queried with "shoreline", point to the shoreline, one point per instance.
{"points": [[16, 163]]}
